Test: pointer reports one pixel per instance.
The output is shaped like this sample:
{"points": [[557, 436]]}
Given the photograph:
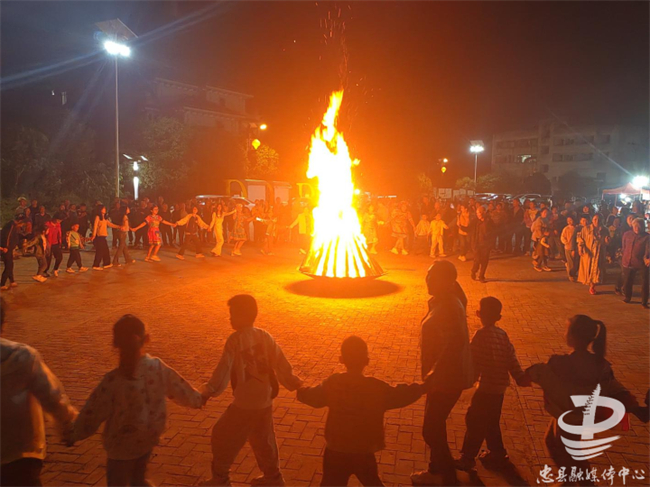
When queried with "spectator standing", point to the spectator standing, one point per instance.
{"points": [[483, 243], [54, 243], [568, 239], [9, 238], [592, 243], [636, 259]]}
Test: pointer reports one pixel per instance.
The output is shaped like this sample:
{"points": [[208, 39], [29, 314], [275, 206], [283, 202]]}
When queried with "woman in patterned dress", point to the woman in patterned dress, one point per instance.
{"points": [[369, 229], [155, 238], [239, 229], [592, 244], [400, 219]]}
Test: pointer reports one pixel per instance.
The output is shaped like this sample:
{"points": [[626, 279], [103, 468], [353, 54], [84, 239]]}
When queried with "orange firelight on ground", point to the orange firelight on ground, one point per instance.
{"points": [[338, 248]]}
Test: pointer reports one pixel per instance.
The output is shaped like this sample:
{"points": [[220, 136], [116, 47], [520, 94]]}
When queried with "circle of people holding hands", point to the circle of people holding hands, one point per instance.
{"points": [[131, 399]]}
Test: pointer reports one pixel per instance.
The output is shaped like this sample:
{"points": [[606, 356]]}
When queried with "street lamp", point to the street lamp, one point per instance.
{"points": [[263, 126], [476, 147], [136, 168], [117, 50], [640, 182]]}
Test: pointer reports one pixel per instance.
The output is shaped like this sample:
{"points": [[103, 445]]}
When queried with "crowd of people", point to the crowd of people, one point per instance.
{"points": [[131, 399], [583, 237]]}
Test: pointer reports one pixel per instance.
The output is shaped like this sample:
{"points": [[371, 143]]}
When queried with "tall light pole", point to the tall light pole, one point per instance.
{"points": [[117, 50], [136, 168], [476, 147]]}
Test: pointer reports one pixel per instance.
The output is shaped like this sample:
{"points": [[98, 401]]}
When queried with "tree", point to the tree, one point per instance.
{"points": [[24, 156], [499, 182], [424, 183], [537, 183], [262, 163], [165, 141], [465, 183]]}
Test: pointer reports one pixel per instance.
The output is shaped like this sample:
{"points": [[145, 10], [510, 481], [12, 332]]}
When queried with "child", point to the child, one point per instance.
{"points": [[303, 220], [131, 400], [54, 242], [271, 223], [422, 232], [580, 372], [155, 238], [75, 244], [354, 430], [250, 361], [438, 227], [494, 358], [122, 248], [29, 388], [568, 239], [39, 242], [192, 222]]}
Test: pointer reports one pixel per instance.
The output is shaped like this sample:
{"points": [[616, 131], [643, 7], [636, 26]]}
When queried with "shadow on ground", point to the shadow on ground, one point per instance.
{"points": [[343, 289]]}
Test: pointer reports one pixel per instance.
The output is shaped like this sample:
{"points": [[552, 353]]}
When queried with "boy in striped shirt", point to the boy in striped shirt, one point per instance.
{"points": [[494, 361]]}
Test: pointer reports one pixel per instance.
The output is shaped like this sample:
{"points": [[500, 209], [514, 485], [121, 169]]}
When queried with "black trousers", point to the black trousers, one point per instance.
{"points": [[481, 260], [520, 232], [434, 431], [8, 271], [482, 420], [23, 472], [101, 252], [338, 467], [54, 251], [628, 282], [74, 258], [191, 240]]}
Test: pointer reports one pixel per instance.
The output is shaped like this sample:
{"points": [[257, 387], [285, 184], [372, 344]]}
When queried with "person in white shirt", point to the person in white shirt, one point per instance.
{"points": [[254, 364], [29, 388], [438, 227], [131, 400]]}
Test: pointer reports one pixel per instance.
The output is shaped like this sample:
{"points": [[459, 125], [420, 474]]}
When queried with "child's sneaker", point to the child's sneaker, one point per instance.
{"points": [[404, 252], [70, 270], [4, 288], [14, 284], [155, 258], [180, 257], [108, 266], [97, 269], [442, 255], [56, 273], [200, 256], [465, 464], [275, 481], [547, 269], [83, 269], [395, 251]]}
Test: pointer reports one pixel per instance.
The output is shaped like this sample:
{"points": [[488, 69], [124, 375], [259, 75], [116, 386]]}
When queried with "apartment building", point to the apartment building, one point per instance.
{"points": [[607, 154]]}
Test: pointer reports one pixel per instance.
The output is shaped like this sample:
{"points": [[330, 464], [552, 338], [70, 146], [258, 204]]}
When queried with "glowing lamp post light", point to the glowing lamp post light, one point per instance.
{"points": [[640, 182], [136, 168], [476, 147]]}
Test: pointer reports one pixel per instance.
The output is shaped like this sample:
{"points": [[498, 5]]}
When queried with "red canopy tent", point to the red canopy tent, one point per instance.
{"points": [[628, 189]]}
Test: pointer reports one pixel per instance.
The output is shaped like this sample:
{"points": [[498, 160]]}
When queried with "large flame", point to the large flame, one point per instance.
{"points": [[338, 247]]}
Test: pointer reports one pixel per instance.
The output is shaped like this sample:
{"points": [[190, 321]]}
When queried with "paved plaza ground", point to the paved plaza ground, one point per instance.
{"points": [[69, 320]]}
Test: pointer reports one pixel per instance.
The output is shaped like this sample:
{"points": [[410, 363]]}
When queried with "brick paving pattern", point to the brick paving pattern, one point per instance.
{"points": [[69, 321]]}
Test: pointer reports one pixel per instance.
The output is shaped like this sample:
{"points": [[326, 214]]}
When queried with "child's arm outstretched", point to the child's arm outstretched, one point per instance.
{"points": [[221, 375], [178, 389], [313, 396], [402, 395], [283, 368], [94, 413]]}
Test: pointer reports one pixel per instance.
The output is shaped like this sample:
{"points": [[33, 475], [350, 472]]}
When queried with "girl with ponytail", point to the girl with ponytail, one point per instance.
{"points": [[131, 401], [579, 373]]}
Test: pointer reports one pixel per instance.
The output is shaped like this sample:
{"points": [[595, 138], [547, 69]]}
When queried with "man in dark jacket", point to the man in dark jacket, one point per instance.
{"points": [[445, 350], [483, 243], [636, 257]]}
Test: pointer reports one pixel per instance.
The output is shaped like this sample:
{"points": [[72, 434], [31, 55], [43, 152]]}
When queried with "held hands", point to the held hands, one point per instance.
{"points": [[524, 381]]}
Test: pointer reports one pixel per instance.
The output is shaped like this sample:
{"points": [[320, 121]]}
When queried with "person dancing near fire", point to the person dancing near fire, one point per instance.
{"points": [[239, 229], [216, 225], [400, 219], [155, 238]]}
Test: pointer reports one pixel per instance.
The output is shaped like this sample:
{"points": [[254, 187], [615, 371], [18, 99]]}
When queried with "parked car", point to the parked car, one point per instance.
{"points": [[485, 197], [204, 198]]}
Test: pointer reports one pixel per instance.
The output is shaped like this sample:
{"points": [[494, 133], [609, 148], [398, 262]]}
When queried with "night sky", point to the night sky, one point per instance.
{"points": [[421, 78]]}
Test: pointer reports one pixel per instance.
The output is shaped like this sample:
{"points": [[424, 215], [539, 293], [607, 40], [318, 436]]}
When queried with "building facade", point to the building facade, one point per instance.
{"points": [[610, 155], [202, 106]]}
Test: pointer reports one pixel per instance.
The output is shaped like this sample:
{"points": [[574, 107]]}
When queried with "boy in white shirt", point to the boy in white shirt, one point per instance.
{"points": [[250, 360], [438, 227], [422, 231]]}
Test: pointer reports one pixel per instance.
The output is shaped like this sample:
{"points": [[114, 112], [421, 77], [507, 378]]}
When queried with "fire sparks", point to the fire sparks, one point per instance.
{"points": [[338, 247]]}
